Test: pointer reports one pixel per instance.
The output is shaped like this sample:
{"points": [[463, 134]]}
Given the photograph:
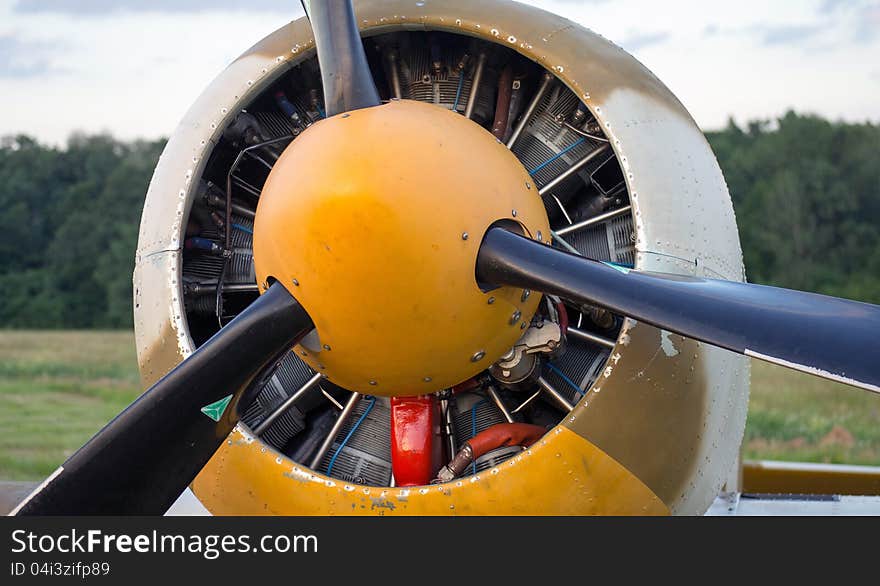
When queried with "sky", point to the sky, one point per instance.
{"points": [[133, 67]]}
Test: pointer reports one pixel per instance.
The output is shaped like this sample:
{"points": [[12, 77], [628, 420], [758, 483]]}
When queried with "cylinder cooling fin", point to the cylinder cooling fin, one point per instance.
{"points": [[576, 368]]}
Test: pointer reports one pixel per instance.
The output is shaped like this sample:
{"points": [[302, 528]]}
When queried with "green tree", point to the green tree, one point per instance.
{"points": [[806, 193], [68, 229], [807, 197]]}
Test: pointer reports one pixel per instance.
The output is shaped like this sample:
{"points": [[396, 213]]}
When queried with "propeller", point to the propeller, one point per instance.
{"points": [[345, 75], [142, 460], [829, 337]]}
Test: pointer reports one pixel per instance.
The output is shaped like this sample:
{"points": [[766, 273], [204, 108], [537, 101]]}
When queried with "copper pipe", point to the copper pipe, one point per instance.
{"points": [[502, 104]]}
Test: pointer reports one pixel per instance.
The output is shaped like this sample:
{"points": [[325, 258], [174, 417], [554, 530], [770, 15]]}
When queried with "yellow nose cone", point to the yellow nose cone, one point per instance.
{"points": [[372, 220]]}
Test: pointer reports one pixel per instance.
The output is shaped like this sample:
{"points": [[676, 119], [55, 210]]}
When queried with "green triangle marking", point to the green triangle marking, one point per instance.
{"points": [[215, 410]]}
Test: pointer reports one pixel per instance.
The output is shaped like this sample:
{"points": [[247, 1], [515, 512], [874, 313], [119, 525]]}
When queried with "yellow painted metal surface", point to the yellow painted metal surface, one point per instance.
{"points": [[563, 474], [372, 219]]}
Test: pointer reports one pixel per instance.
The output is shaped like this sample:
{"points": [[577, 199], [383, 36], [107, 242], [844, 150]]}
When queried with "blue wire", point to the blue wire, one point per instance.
{"points": [[458, 91], [566, 379], [350, 433], [320, 111], [557, 155], [474, 427], [242, 228]]}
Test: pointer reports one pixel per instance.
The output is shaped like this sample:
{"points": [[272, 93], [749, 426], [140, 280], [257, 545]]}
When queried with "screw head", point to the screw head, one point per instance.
{"points": [[427, 379], [528, 185], [522, 326], [326, 346], [296, 283], [464, 235], [373, 383], [540, 236], [515, 317], [513, 213], [490, 301], [478, 355], [525, 294]]}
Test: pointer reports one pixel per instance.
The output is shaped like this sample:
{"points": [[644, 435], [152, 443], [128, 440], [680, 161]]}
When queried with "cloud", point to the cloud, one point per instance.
{"points": [[638, 41], [862, 17], [868, 28], [787, 34], [104, 7], [832, 6], [21, 59]]}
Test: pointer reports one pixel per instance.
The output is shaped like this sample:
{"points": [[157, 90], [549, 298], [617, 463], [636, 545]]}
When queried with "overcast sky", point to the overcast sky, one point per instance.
{"points": [[133, 67]]}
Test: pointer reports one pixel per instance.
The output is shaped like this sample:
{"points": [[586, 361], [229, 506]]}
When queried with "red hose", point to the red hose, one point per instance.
{"points": [[497, 436], [505, 434], [563, 317]]}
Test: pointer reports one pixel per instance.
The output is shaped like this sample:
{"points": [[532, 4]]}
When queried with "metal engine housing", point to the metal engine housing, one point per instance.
{"points": [[668, 410]]}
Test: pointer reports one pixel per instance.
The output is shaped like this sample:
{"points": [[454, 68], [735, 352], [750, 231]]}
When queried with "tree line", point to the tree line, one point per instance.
{"points": [[806, 193]]}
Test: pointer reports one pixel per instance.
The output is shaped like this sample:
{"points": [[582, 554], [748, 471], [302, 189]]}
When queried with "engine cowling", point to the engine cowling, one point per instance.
{"points": [[657, 418]]}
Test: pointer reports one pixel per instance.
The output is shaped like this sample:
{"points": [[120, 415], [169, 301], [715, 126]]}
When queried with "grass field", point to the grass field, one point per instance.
{"points": [[58, 388]]}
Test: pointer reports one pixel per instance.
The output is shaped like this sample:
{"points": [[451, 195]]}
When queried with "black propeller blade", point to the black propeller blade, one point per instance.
{"points": [[346, 77], [829, 337], [143, 459]]}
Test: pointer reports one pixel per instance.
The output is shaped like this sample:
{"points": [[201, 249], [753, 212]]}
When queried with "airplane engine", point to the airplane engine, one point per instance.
{"points": [[579, 409]]}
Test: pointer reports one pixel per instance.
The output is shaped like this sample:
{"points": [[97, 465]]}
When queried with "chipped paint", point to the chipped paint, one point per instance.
{"points": [[381, 503], [667, 344]]}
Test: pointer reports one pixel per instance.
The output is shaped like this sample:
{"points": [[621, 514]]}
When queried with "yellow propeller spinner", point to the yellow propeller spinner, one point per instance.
{"points": [[372, 219]]}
